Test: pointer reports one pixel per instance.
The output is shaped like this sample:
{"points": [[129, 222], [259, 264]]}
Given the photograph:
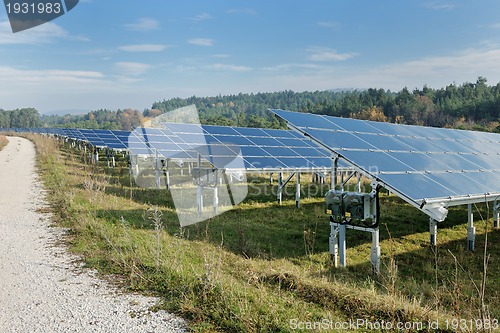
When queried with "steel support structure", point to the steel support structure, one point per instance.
{"points": [[496, 214], [433, 224], [471, 230], [337, 241]]}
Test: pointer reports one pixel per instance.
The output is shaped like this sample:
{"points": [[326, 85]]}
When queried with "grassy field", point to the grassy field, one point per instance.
{"points": [[265, 268], [3, 141]]}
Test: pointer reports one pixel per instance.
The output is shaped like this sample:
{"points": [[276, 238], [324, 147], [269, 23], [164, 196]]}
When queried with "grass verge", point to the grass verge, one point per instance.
{"points": [[3, 141], [263, 267]]}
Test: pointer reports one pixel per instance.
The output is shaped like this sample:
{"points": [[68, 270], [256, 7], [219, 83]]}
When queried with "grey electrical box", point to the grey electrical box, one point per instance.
{"points": [[349, 206]]}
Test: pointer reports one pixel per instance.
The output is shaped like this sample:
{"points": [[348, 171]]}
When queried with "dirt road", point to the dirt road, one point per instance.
{"points": [[42, 288]]}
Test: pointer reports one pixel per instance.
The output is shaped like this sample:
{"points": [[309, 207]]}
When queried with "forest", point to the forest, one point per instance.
{"points": [[466, 106], [27, 117]]}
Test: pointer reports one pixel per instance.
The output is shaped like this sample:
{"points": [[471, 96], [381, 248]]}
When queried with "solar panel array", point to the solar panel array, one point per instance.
{"points": [[112, 139], [224, 147], [251, 148], [420, 163]]}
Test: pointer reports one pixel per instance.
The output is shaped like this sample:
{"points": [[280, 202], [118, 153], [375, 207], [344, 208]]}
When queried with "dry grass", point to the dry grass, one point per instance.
{"points": [[3, 141]]}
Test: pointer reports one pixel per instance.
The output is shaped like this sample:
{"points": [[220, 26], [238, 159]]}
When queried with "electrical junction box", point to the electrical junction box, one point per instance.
{"points": [[350, 206], [205, 177]]}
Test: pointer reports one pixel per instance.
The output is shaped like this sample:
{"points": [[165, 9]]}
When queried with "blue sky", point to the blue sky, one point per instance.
{"points": [[119, 54]]}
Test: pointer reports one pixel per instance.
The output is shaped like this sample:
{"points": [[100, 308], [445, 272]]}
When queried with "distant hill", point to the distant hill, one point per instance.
{"points": [[341, 90], [72, 112]]}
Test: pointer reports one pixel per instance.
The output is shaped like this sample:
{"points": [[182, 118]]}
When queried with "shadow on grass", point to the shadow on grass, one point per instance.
{"points": [[263, 229]]}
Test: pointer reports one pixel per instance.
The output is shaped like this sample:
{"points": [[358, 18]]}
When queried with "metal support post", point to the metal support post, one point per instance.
{"points": [[496, 214], [108, 155], [433, 231], [375, 253], [333, 180], [216, 193], [199, 199], [167, 180], [334, 244], [280, 188], [359, 182], [342, 174], [342, 246], [297, 191], [471, 230], [270, 178], [158, 171], [167, 176], [216, 200]]}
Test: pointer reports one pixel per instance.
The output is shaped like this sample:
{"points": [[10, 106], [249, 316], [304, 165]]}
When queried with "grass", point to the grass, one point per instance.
{"points": [[261, 265], [3, 141]]}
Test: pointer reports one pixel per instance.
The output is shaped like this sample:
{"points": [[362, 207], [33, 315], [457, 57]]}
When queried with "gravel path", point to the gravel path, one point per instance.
{"points": [[42, 289]]}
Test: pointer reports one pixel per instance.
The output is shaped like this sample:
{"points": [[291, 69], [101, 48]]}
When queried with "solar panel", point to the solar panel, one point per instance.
{"points": [[251, 148], [423, 164]]}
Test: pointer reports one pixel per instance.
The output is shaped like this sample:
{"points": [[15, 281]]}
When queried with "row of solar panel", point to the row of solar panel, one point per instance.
{"points": [[419, 162], [224, 147]]}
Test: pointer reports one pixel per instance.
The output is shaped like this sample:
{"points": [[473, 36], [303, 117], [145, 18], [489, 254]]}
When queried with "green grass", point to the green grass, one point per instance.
{"points": [[254, 268]]}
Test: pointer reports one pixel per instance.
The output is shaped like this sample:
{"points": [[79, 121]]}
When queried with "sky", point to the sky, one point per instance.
{"points": [[109, 54]]}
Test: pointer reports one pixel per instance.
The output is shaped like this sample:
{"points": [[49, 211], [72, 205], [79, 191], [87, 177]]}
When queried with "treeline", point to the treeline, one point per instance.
{"points": [[27, 117], [127, 119], [468, 106]]}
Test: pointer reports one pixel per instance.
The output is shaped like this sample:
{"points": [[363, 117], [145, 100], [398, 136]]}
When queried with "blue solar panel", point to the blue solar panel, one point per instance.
{"points": [[251, 148], [420, 163]]}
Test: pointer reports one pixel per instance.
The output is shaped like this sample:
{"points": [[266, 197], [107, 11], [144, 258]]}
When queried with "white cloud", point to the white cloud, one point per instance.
{"points": [[132, 68], [288, 67], [11, 74], [455, 67], [436, 72], [56, 89], [440, 6], [144, 48], [201, 41], [45, 33], [143, 24], [230, 68], [495, 25], [201, 17], [327, 54], [329, 24], [221, 56]]}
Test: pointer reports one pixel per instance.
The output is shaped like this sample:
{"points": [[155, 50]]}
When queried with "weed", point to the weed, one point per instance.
{"points": [[155, 217]]}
